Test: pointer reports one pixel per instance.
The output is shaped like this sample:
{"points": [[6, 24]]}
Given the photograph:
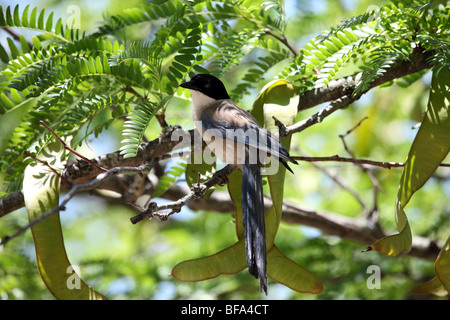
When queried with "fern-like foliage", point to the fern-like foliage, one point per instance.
{"points": [[441, 49], [70, 79], [35, 19], [171, 176], [136, 124], [375, 41]]}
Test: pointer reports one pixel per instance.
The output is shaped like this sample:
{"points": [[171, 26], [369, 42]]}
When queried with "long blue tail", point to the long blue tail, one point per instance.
{"points": [[254, 227]]}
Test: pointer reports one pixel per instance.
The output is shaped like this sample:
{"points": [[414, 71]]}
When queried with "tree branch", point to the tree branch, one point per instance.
{"points": [[382, 164], [81, 172], [11, 202], [170, 138], [318, 117], [372, 213], [354, 229], [16, 37], [340, 91]]}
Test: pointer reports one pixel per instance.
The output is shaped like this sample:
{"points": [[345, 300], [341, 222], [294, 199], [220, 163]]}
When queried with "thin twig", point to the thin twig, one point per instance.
{"points": [[197, 191], [370, 214], [283, 40], [341, 184], [45, 163], [160, 117], [67, 147], [342, 136], [337, 158], [320, 115], [383, 164]]}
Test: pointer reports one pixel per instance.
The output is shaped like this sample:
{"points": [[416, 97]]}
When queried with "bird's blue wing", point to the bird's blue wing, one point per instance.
{"points": [[251, 134]]}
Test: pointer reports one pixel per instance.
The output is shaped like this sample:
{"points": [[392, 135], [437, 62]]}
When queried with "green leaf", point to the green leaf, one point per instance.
{"points": [[431, 145], [25, 16], [41, 194], [283, 270], [277, 92], [136, 124], [170, 177], [3, 55], [228, 261], [433, 286], [33, 18], [16, 15], [36, 42], [13, 48], [58, 26], [16, 96], [442, 266], [6, 102], [24, 44], [49, 23]]}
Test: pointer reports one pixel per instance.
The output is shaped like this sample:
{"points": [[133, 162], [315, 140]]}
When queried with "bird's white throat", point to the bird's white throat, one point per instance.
{"points": [[200, 101]]}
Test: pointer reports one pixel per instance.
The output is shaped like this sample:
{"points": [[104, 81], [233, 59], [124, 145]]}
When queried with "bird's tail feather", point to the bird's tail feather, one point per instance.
{"points": [[253, 218]]}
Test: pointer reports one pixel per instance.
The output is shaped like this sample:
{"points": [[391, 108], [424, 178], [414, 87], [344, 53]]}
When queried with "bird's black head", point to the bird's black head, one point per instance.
{"points": [[208, 85]]}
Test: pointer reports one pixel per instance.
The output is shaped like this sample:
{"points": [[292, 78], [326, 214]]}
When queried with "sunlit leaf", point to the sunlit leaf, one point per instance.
{"points": [[283, 270], [442, 265], [228, 261], [41, 193]]}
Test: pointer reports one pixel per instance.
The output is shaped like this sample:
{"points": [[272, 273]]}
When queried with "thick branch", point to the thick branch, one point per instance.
{"points": [[340, 92], [76, 189], [11, 203], [345, 86], [81, 172], [356, 229]]}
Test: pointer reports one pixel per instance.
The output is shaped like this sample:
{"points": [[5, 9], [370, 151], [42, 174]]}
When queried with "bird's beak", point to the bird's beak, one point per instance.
{"points": [[188, 85]]}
